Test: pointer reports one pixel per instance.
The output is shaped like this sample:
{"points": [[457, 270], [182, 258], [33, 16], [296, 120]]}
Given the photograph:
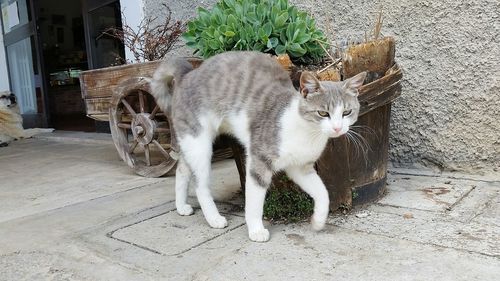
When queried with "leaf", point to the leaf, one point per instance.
{"points": [[258, 47], [229, 3], [262, 11], [273, 41], [281, 19], [189, 37], [268, 28], [204, 15], [303, 38], [229, 33], [191, 26], [280, 49], [296, 50], [289, 32], [232, 21], [213, 44]]}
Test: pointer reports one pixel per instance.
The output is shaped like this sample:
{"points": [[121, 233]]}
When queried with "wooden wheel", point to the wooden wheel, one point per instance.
{"points": [[141, 131]]}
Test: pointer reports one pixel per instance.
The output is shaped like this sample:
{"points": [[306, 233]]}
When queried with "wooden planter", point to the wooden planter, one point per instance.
{"points": [[353, 176], [142, 136]]}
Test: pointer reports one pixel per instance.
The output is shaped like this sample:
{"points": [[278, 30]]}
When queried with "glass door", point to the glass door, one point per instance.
{"points": [[104, 50], [22, 60]]}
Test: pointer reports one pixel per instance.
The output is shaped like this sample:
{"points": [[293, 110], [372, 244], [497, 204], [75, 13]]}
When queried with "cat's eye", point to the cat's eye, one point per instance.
{"points": [[347, 112], [323, 114]]}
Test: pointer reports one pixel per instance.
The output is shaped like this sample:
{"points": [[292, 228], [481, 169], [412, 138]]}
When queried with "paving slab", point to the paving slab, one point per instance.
{"points": [[193, 230], [425, 193], [297, 253], [50, 175], [426, 228]]}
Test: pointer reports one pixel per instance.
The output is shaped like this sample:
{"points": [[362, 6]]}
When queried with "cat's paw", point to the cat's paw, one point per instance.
{"points": [[261, 235], [185, 210], [217, 221], [317, 224]]}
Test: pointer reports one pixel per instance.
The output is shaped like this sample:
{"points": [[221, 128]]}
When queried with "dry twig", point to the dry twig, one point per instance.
{"points": [[149, 41]]}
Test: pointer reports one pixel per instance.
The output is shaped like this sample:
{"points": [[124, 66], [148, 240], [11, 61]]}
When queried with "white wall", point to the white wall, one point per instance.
{"points": [[133, 13], [4, 78]]}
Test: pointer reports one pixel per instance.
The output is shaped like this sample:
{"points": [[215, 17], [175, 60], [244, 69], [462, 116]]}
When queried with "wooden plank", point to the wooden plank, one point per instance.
{"points": [[97, 106], [102, 82], [374, 56], [99, 117], [381, 91], [380, 99]]}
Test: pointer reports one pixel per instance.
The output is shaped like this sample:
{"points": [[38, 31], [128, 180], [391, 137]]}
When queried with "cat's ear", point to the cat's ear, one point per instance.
{"points": [[352, 84], [308, 83]]}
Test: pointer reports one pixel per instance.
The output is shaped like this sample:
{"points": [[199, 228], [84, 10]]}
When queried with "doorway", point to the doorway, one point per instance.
{"points": [[61, 31], [48, 43], [64, 27]]}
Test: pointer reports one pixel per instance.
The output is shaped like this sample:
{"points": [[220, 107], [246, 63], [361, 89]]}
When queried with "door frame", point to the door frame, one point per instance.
{"points": [[89, 6]]}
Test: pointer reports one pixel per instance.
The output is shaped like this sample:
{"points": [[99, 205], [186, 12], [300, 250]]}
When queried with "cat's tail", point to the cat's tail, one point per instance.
{"points": [[169, 73]]}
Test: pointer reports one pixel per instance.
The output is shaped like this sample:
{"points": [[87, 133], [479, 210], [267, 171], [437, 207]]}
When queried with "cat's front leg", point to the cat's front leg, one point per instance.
{"points": [[307, 178], [258, 180]]}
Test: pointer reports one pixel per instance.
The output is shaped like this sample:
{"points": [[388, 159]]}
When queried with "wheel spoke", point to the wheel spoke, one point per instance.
{"points": [[162, 150], [124, 125], [153, 114], [162, 130], [148, 156], [133, 146], [129, 108], [141, 101]]}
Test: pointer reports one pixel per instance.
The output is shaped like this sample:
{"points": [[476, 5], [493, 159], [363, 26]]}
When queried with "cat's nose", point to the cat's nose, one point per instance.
{"points": [[337, 130]]}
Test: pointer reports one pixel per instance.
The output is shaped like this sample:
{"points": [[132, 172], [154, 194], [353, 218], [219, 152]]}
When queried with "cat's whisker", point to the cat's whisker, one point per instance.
{"points": [[363, 128], [361, 144], [365, 142], [357, 145]]}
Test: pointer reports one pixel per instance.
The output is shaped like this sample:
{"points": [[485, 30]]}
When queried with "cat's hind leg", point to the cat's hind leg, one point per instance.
{"points": [[182, 178], [307, 178], [197, 152]]}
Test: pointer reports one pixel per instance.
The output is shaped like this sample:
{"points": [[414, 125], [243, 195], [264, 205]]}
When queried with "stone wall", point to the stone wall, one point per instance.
{"points": [[448, 114]]}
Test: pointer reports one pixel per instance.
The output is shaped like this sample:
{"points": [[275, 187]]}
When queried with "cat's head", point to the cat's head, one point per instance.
{"points": [[333, 106]]}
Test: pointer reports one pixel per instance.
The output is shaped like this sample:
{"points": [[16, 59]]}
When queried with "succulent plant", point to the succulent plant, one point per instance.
{"points": [[270, 26]]}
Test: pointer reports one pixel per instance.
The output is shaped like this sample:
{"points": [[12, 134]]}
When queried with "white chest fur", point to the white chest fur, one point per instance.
{"points": [[300, 141]]}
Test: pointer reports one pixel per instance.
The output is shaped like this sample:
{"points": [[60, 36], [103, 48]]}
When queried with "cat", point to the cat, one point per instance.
{"points": [[251, 97], [11, 121]]}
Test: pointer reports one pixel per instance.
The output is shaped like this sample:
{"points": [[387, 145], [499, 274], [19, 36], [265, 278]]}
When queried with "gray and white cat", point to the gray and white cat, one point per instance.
{"points": [[250, 96]]}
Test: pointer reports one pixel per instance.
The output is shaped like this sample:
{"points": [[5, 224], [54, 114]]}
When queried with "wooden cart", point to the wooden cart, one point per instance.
{"points": [[140, 130]]}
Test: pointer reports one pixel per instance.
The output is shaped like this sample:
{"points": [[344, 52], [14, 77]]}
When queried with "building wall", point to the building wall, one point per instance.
{"points": [[447, 115], [4, 78], [133, 12]]}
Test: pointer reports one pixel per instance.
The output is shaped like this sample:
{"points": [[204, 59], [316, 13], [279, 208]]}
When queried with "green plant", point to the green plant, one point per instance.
{"points": [[285, 202], [270, 26]]}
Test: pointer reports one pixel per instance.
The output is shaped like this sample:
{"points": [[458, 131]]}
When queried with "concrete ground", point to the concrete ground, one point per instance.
{"points": [[71, 210]]}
